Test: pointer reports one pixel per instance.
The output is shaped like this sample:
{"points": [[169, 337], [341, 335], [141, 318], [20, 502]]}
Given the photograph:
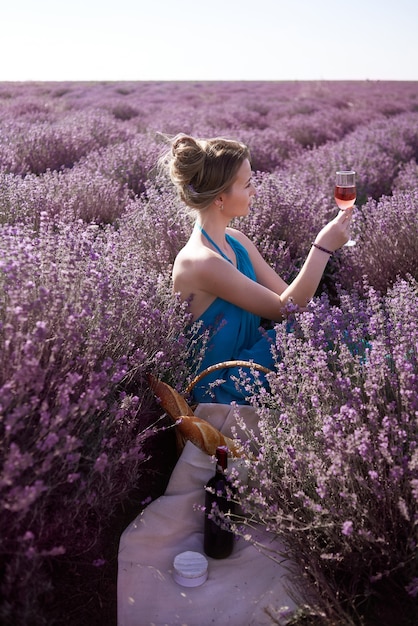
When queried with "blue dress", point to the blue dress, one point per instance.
{"points": [[234, 334]]}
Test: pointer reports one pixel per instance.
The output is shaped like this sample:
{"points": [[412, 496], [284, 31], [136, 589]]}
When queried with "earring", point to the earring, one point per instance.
{"points": [[221, 208]]}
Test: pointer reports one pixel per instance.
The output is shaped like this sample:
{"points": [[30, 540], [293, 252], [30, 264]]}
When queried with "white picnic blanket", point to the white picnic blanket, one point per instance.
{"points": [[238, 590]]}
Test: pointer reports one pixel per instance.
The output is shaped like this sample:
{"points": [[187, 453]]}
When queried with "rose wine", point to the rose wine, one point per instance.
{"points": [[345, 196], [218, 539]]}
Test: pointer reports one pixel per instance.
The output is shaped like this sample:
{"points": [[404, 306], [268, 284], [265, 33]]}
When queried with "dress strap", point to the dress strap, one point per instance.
{"points": [[204, 233]]}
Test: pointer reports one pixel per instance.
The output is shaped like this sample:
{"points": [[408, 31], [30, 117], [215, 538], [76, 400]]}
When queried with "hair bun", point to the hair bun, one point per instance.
{"points": [[201, 169], [182, 142], [188, 158]]}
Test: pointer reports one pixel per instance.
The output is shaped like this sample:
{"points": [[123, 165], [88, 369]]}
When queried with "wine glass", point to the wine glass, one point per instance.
{"points": [[345, 192]]}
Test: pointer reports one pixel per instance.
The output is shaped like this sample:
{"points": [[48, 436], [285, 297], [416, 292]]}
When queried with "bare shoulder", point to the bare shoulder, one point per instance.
{"points": [[191, 256], [237, 234], [193, 274], [243, 239], [191, 263]]}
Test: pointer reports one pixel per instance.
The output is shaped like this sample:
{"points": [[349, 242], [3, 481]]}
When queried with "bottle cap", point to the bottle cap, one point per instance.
{"points": [[190, 569]]}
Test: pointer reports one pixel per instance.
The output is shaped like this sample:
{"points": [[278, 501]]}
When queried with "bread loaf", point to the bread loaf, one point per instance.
{"points": [[190, 427], [205, 436], [171, 401]]}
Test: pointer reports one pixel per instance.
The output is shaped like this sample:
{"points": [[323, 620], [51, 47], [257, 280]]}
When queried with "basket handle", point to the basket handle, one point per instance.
{"points": [[223, 365]]}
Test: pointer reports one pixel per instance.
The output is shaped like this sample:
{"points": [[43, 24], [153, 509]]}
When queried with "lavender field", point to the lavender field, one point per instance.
{"points": [[88, 235]]}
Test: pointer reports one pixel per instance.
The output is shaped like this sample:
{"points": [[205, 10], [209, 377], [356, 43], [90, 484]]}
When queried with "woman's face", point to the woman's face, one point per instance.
{"points": [[237, 199]]}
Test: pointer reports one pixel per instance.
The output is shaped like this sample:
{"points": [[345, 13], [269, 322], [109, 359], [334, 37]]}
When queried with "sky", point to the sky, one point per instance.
{"points": [[134, 40]]}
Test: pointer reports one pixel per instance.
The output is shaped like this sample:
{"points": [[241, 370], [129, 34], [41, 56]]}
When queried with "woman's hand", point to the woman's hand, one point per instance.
{"points": [[337, 232]]}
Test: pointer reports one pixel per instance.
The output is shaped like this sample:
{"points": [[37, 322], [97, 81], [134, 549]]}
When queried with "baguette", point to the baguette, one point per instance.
{"points": [[205, 436], [171, 401], [189, 426]]}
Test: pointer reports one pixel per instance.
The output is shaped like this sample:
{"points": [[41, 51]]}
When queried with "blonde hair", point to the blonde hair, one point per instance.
{"points": [[201, 169]]}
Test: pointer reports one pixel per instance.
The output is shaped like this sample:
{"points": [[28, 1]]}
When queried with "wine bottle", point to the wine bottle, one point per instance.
{"points": [[218, 540]]}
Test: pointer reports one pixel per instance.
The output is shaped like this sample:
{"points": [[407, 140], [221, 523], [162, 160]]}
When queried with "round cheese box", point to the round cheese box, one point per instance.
{"points": [[190, 569]]}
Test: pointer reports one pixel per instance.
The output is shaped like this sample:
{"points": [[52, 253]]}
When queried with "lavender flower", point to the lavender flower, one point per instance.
{"points": [[88, 235]]}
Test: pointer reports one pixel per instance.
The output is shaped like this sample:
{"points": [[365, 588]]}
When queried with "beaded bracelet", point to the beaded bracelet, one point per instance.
{"points": [[318, 247]]}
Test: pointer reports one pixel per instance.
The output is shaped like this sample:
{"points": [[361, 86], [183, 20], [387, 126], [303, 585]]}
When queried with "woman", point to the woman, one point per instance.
{"points": [[220, 271]]}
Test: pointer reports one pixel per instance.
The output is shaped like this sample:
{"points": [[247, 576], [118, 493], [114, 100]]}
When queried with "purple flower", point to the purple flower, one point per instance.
{"points": [[101, 463], [89, 234]]}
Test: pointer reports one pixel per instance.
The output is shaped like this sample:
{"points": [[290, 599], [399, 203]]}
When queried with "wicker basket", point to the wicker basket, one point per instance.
{"points": [[177, 407], [180, 441], [224, 365]]}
